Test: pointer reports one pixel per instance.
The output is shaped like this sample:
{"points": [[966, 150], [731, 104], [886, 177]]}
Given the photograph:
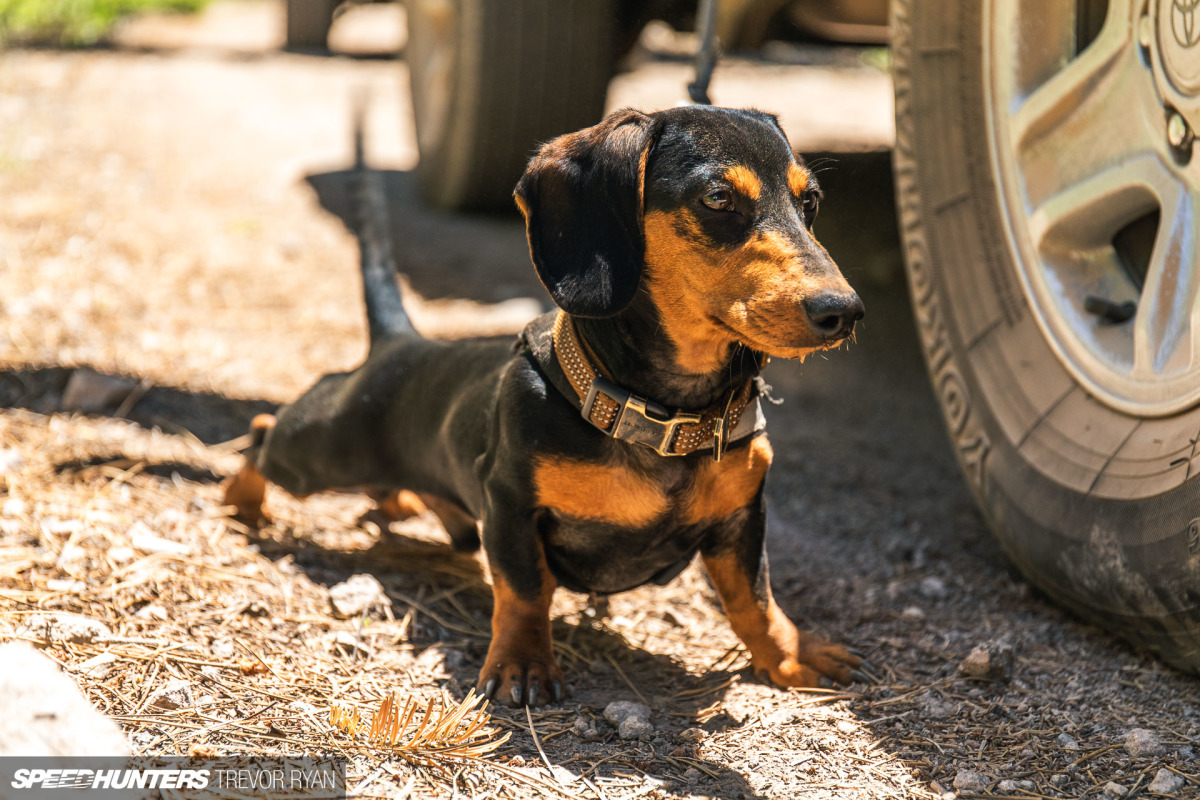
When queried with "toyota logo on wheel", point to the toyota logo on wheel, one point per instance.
{"points": [[1183, 22]]}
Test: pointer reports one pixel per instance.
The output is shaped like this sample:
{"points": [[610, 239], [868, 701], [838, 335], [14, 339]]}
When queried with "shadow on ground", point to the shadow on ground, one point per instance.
{"points": [[476, 257]]}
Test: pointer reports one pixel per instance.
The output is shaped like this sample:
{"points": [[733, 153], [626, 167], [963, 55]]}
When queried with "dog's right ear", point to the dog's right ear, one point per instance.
{"points": [[582, 199]]}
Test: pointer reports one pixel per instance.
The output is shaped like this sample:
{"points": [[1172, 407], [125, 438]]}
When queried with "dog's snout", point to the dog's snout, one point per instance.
{"points": [[832, 314]]}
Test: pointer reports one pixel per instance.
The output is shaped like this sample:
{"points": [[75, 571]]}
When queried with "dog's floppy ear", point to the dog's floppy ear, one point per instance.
{"points": [[582, 200]]}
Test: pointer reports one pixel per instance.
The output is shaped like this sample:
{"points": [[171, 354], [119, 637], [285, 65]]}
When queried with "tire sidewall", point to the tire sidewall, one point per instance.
{"points": [[1132, 565]]}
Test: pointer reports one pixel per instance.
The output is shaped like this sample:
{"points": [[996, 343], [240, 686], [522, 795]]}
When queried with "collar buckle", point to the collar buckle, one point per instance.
{"points": [[638, 420]]}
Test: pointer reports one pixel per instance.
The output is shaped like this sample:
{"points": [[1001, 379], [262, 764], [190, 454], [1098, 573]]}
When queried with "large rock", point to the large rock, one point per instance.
{"points": [[45, 713]]}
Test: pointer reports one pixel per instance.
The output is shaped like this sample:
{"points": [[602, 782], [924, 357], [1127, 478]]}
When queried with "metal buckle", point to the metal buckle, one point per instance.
{"points": [[638, 420]]}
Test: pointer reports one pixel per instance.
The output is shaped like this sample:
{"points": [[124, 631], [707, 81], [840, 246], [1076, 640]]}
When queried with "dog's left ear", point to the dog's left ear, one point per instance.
{"points": [[582, 199]]}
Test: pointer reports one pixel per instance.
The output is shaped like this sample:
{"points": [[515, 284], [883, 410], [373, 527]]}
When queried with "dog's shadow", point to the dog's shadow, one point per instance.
{"points": [[451, 602], [480, 257]]}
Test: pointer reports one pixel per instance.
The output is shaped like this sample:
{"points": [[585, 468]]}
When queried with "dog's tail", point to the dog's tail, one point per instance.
{"points": [[386, 316]]}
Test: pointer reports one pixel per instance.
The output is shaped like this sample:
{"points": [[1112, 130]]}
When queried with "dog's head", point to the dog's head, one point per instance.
{"points": [[705, 209]]}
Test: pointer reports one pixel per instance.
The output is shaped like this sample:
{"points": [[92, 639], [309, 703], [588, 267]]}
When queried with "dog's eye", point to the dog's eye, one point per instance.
{"points": [[718, 200], [808, 205]]}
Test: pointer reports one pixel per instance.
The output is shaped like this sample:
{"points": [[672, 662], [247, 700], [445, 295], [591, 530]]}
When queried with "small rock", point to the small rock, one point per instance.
{"points": [[72, 559], [692, 775], [121, 555], [692, 735], [95, 667], [222, 649], [66, 586], [783, 716], [846, 727], [937, 708], [1142, 743], [45, 713], [932, 588], [912, 614], [635, 728], [176, 694], [1067, 741], [1114, 790], [90, 392], [60, 628], [356, 596], [1006, 786], [350, 643], [563, 775], [1058, 779], [1186, 753], [968, 780], [57, 526], [142, 538], [618, 711], [988, 662], [11, 460], [585, 730], [1166, 782], [152, 611]]}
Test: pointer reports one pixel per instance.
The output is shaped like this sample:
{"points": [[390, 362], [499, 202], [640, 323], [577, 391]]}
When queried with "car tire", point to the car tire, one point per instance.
{"points": [[1077, 431], [491, 79]]}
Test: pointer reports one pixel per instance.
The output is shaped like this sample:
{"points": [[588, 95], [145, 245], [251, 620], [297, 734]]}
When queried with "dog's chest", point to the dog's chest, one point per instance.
{"points": [[612, 525], [624, 494]]}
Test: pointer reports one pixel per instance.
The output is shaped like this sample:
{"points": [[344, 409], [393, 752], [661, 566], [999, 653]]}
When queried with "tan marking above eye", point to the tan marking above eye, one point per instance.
{"points": [[797, 179], [743, 179]]}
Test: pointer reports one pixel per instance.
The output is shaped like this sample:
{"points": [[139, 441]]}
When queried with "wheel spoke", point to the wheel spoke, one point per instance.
{"points": [[1106, 88], [1085, 214], [1165, 330]]}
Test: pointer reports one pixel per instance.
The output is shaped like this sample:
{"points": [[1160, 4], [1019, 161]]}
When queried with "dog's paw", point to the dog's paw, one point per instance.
{"points": [[393, 507], [245, 494], [513, 679], [812, 662]]}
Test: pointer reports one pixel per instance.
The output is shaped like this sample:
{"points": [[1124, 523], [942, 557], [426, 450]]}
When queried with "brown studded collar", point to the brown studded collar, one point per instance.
{"points": [[619, 413]]}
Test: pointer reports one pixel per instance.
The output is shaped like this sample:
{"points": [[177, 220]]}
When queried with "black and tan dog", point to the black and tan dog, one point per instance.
{"points": [[679, 247]]}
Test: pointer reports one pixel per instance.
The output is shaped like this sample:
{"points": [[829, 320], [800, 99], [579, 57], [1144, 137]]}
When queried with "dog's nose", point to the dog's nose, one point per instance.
{"points": [[832, 314]]}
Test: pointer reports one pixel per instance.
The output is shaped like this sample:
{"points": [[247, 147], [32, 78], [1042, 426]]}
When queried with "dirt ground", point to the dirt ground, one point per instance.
{"points": [[173, 263]]}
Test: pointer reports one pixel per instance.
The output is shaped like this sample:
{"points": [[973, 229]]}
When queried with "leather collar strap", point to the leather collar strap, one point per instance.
{"points": [[623, 415]]}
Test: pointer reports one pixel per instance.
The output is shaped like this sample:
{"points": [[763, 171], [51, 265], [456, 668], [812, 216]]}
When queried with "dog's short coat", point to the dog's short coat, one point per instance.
{"points": [[679, 248]]}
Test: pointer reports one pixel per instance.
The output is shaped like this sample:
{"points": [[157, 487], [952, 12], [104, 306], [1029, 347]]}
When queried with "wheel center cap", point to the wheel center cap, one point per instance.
{"points": [[1178, 23]]}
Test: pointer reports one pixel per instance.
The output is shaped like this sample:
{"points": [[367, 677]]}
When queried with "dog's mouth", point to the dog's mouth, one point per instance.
{"points": [[778, 349]]}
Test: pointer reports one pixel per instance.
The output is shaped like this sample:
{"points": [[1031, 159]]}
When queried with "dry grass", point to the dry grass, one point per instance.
{"points": [[159, 224], [132, 579]]}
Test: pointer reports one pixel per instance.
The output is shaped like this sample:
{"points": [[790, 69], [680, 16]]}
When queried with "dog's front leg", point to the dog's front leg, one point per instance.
{"points": [[520, 668], [788, 656]]}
